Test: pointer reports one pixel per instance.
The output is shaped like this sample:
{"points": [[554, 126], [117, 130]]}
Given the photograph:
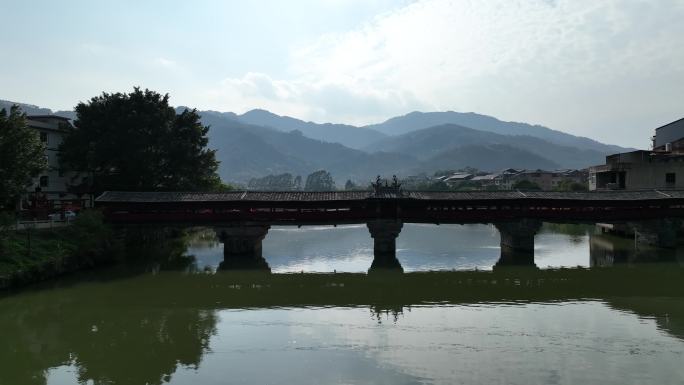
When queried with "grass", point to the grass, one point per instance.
{"points": [[52, 252]]}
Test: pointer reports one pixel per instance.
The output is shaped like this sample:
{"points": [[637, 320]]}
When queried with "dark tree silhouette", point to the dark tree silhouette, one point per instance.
{"points": [[136, 141]]}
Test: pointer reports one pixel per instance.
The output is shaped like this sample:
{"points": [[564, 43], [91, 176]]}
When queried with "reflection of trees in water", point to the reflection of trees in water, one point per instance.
{"points": [[380, 312], [156, 249], [608, 250], [109, 344], [99, 332], [667, 312]]}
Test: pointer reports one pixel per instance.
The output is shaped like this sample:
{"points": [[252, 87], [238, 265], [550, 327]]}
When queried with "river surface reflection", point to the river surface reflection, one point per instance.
{"points": [[450, 319], [419, 248]]}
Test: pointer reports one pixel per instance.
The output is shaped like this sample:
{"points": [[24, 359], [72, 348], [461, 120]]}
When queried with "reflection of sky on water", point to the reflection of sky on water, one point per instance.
{"points": [[419, 247], [560, 343]]}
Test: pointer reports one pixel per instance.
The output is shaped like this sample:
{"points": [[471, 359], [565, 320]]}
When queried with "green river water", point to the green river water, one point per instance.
{"points": [[594, 310]]}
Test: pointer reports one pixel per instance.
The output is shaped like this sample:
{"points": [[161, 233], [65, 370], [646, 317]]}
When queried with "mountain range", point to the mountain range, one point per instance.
{"points": [[258, 143]]}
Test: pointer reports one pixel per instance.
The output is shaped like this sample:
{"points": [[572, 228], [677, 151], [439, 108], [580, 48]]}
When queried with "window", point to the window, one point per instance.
{"points": [[670, 179], [44, 181], [44, 137]]}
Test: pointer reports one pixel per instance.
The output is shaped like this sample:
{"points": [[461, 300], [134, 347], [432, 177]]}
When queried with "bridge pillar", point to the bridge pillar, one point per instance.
{"points": [[241, 242], [657, 232], [384, 234], [517, 241]]}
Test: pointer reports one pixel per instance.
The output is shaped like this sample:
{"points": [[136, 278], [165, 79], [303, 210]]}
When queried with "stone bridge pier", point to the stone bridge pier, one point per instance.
{"points": [[242, 246], [657, 232], [384, 234], [517, 242]]}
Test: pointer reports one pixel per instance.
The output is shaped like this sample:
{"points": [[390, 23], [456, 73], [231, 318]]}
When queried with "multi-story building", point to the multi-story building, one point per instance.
{"points": [[659, 168], [55, 188]]}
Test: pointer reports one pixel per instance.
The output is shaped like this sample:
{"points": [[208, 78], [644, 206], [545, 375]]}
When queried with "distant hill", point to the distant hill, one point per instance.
{"points": [[247, 151], [30, 109], [428, 142], [487, 157], [419, 120], [350, 136], [260, 143]]}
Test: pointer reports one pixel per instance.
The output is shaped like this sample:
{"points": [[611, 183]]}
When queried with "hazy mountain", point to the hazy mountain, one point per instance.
{"points": [[419, 120], [260, 143], [247, 151], [428, 142], [350, 136], [30, 109], [487, 157]]}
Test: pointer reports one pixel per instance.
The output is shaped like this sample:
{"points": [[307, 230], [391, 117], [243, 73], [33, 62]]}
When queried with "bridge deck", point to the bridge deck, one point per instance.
{"points": [[323, 196], [337, 207]]}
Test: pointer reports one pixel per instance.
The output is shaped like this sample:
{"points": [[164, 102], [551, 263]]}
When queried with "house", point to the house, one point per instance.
{"points": [[660, 168], [55, 188], [458, 178]]}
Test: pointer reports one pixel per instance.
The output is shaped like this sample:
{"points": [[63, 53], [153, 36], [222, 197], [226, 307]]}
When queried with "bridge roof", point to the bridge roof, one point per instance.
{"points": [[320, 196]]}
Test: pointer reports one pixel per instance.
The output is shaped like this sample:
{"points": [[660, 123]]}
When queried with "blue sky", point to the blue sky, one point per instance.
{"points": [[612, 69]]}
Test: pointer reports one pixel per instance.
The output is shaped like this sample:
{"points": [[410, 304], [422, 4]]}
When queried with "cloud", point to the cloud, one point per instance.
{"points": [[165, 63], [575, 65], [318, 101]]}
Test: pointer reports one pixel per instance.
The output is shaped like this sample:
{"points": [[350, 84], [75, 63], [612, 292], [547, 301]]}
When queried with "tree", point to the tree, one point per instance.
{"points": [[526, 185], [283, 182], [350, 185], [320, 180], [137, 142], [571, 185], [22, 156]]}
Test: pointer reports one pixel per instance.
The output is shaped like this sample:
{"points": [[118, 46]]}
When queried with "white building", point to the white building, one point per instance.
{"points": [[55, 188]]}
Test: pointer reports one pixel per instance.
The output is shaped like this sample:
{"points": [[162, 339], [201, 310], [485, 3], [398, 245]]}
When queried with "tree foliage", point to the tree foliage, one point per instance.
{"points": [[22, 155], [526, 185], [136, 141], [320, 180], [571, 185], [349, 185], [282, 182]]}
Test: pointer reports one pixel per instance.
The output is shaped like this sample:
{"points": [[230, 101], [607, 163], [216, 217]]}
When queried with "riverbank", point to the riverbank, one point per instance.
{"points": [[33, 255]]}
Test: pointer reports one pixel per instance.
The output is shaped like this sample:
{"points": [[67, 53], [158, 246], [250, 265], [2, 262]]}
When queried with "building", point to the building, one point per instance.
{"points": [[638, 170], [659, 168], [546, 180], [672, 134], [55, 188], [456, 179]]}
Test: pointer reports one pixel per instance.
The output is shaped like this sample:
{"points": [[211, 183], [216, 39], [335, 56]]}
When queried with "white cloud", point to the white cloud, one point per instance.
{"points": [[577, 65]]}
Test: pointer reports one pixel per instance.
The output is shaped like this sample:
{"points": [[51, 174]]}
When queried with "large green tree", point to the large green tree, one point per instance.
{"points": [[22, 156], [136, 141]]}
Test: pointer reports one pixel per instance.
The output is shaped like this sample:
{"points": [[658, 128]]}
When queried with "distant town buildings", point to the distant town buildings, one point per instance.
{"points": [[506, 179], [659, 168], [55, 188]]}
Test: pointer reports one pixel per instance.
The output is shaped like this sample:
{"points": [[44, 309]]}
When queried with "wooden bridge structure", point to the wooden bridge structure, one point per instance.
{"points": [[242, 218]]}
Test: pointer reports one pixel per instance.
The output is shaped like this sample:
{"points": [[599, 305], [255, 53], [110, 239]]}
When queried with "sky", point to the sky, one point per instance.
{"points": [[612, 70]]}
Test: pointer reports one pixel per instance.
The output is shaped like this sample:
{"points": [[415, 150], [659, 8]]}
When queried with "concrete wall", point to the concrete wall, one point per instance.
{"points": [[669, 133], [652, 175]]}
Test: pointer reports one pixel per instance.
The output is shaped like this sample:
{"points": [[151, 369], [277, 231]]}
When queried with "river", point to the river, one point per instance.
{"points": [[594, 309]]}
